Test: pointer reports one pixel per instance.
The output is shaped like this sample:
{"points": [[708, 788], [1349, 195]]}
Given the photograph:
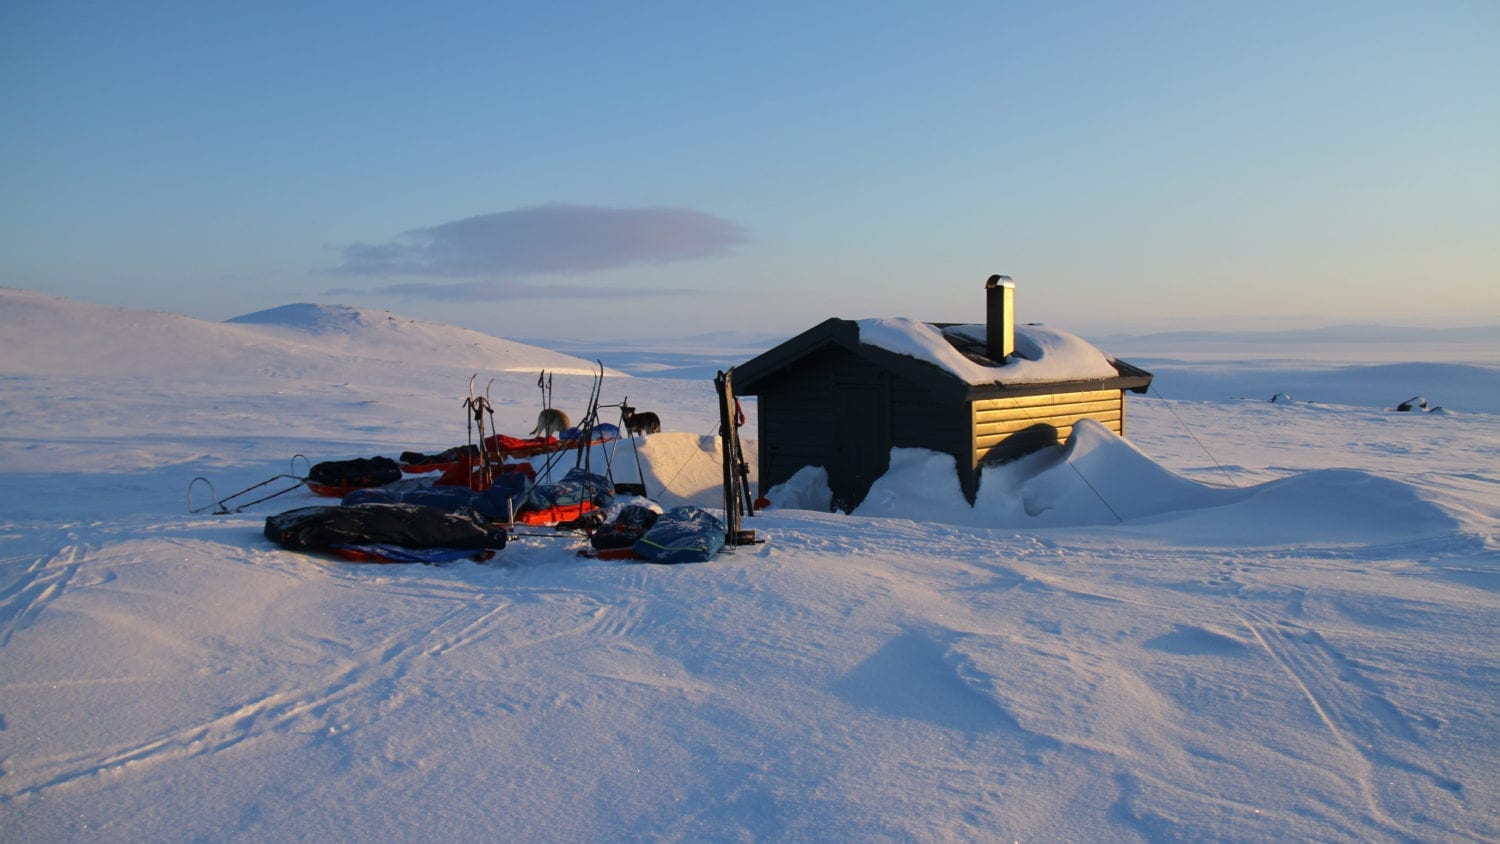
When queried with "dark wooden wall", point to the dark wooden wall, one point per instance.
{"points": [[838, 410]]}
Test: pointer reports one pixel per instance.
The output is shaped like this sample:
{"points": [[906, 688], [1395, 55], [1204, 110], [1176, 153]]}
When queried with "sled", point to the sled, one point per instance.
{"points": [[416, 463], [501, 447], [221, 505], [469, 475], [543, 516], [518, 447], [337, 478], [373, 526]]}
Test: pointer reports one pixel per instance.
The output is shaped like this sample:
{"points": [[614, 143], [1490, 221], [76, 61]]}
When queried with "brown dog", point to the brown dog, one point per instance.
{"points": [[640, 423]]}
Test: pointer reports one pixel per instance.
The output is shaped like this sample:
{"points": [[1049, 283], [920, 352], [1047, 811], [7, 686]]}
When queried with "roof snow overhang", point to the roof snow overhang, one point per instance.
{"points": [[943, 384]]}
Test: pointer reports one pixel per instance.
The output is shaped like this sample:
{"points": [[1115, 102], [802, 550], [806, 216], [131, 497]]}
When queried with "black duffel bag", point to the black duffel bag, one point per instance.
{"points": [[359, 472]]}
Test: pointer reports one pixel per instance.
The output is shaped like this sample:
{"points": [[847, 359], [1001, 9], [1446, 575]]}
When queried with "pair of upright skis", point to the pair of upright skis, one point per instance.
{"points": [[478, 406], [737, 498]]}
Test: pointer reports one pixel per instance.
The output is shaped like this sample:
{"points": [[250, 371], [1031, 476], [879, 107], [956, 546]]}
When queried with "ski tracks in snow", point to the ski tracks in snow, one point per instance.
{"points": [[1365, 724], [365, 681], [359, 678], [36, 584]]}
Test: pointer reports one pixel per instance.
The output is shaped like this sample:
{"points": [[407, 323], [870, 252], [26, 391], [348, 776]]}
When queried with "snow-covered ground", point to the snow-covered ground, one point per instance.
{"points": [[1253, 620]]}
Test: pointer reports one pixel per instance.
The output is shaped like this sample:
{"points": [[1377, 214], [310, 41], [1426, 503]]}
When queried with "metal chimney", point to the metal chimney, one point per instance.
{"points": [[999, 317]]}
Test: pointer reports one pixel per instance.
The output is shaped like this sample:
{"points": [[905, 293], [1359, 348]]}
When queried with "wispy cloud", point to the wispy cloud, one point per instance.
{"points": [[495, 291], [545, 239]]}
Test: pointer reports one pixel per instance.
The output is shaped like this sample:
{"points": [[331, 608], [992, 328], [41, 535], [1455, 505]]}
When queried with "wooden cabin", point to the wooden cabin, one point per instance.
{"points": [[843, 393]]}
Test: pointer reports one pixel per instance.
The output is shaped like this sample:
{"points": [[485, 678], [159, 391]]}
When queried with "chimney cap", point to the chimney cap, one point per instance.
{"points": [[999, 281]]}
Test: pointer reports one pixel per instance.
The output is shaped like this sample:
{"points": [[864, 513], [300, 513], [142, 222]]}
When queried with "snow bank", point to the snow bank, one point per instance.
{"points": [[806, 489], [1099, 479], [1315, 508], [920, 485]]}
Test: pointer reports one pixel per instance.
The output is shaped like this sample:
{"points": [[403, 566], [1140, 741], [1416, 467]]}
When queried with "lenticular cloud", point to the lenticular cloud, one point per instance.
{"points": [[546, 239]]}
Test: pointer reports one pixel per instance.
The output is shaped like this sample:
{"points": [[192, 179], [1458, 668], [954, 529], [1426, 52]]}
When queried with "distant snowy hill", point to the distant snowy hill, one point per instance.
{"points": [[693, 356], [302, 372], [1457, 387], [1357, 365], [49, 335], [1329, 334]]}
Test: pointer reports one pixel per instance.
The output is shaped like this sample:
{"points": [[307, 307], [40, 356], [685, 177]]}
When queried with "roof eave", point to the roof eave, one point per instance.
{"points": [[1134, 383], [830, 332], [943, 384]]}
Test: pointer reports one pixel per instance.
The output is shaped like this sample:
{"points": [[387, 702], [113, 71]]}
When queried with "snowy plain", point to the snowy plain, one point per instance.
{"points": [[1252, 620]]}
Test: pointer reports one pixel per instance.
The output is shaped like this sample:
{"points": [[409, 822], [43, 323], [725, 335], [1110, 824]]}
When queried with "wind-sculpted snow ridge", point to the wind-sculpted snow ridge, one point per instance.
{"points": [[1100, 479]]}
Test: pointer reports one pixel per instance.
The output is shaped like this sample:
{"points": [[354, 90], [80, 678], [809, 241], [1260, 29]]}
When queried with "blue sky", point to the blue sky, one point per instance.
{"points": [[628, 170]]}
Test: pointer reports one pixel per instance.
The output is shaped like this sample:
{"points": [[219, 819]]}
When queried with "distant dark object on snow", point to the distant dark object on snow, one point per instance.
{"points": [[1281, 397], [1419, 403]]}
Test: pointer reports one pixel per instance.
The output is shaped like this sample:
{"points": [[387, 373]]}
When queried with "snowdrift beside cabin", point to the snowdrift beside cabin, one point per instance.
{"points": [[1100, 479], [806, 489]]}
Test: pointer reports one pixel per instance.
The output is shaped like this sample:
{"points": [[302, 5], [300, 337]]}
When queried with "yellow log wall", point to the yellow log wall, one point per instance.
{"points": [[997, 419]]}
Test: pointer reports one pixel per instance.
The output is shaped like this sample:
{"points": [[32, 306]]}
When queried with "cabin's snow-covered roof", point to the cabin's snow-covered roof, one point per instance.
{"points": [[1042, 354]]}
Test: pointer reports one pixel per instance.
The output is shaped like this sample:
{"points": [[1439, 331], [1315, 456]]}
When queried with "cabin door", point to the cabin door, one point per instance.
{"points": [[861, 442]]}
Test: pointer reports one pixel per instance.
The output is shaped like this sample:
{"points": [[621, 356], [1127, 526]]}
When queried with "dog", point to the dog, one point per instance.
{"points": [[549, 422], [640, 423]]}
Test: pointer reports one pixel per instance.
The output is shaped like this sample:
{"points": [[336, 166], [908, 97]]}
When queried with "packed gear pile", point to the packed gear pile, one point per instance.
{"points": [[476, 496]]}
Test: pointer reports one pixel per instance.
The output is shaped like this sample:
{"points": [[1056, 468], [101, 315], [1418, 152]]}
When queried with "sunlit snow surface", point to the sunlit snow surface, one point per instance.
{"points": [[1250, 621]]}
